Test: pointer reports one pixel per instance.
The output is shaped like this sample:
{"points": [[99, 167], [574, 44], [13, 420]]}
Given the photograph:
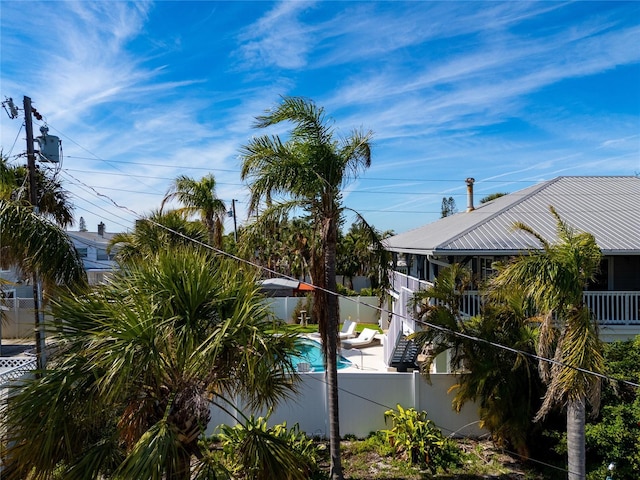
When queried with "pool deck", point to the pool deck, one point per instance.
{"points": [[364, 360], [367, 359]]}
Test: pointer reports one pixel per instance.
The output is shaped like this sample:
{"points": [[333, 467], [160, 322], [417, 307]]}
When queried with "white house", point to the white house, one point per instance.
{"points": [[92, 247], [607, 207]]}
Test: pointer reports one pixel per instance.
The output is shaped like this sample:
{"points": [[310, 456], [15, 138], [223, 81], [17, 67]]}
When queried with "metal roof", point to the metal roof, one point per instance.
{"points": [[606, 207]]}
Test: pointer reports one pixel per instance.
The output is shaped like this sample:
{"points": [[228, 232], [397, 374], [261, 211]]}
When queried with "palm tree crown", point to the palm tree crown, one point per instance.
{"points": [[199, 197], [142, 360]]}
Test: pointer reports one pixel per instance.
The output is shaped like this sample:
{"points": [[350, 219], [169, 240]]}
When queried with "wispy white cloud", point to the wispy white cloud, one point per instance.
{"points": [[436, 81], [279, 38]]}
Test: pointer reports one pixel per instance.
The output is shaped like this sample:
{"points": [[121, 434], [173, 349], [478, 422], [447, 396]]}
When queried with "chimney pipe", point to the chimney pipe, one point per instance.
{"points": [[101, 229], [470, 207]]}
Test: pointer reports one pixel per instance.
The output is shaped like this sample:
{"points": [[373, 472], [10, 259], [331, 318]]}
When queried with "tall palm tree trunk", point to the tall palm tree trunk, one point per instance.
{"points": [[576, 455], [331, 350]]}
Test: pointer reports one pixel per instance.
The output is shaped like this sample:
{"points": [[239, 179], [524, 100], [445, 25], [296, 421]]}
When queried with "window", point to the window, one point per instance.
{"points": [[103, 255], [485, 267], [82, 252]]}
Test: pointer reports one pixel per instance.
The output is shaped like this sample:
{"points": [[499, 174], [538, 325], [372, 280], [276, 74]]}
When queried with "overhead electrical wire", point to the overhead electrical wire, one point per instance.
{"points": [[451, 432], [404, 317], [15, 140], [379, 309]]}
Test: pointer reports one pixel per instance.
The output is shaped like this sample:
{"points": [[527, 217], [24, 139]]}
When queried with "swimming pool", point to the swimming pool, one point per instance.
{"points": [[311, 354]]}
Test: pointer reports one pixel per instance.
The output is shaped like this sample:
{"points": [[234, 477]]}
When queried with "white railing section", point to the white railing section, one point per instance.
{"points": [[618, 308], [399, 280], [608, 307], [391, 339], [12, 368]]}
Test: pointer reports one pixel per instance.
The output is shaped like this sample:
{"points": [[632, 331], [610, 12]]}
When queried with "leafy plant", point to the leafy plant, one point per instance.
{"points": [[418, 437], [255, 451], [614, 436]]}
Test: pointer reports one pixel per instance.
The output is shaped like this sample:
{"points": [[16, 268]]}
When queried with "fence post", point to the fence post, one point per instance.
{"points": [[416, 390]]}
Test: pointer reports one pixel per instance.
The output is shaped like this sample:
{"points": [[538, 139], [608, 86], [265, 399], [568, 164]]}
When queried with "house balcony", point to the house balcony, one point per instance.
{"points": [[610, 308]]}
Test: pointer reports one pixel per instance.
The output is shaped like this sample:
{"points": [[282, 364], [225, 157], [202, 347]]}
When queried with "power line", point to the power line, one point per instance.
{"points": [[145, 164], [404, 317]]}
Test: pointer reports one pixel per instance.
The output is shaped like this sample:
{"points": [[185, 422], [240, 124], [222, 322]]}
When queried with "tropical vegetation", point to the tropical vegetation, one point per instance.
{"points": [[308, 172], [142, 362], [553, 280], [198, 197], [32, 239], [614, 435], [154, 233], [534, 306], [504, 384]]}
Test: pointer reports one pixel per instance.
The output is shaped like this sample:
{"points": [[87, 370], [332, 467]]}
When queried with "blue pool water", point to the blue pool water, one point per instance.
{"points": [[311, 353]]}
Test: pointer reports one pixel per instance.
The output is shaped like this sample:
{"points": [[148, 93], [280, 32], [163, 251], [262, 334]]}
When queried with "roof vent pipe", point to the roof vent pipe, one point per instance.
{"points": [[470, 206]]}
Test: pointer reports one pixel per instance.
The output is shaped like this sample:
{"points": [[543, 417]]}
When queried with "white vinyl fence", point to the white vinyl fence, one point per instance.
{"points": [[361, 308], [364, 397]]}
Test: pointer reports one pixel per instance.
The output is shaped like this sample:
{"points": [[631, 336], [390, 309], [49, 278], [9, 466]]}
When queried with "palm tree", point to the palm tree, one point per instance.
{"points": [[309, 171], [32, 242], [157, 232], [360, 252], [199, 197], [503, 383], [554, 279], [142, 360], [53, 200], [35, 243]]}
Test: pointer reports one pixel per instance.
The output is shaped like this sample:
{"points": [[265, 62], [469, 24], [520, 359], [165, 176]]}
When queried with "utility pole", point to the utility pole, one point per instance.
{"points": [[33, 194], [235, 225]]}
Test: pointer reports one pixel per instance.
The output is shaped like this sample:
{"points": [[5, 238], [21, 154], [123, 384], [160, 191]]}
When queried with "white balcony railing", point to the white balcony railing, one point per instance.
{"points": [[609, 308], [614, 308]]}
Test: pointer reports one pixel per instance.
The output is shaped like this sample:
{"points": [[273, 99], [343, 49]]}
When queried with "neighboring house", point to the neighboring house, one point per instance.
{"points": [[607, 207], [92, 247]]}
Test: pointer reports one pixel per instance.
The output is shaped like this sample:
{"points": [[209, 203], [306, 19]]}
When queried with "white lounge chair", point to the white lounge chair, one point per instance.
{"points": [[348, 330], [366, 338]]}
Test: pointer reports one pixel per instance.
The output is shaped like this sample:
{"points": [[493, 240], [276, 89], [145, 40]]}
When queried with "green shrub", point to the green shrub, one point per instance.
{"points": [[342, 290], [614, 436], [370, 292], [255, 451], [417, 437]]}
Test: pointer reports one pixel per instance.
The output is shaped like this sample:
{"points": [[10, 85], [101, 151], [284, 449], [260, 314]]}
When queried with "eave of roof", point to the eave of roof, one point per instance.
{"points": [[607, 207]]}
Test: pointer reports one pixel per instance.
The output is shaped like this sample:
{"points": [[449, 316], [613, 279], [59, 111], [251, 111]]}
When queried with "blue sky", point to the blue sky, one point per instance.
{"points": [[508, 93]]}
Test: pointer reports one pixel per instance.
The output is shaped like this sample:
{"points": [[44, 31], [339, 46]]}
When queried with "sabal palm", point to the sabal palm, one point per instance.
{"points": [[142, 361], [308, 172], [198, 197], [554, 279]]}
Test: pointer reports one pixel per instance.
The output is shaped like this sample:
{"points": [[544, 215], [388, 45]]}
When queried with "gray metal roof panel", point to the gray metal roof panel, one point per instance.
{"points": [[607, 207]]}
